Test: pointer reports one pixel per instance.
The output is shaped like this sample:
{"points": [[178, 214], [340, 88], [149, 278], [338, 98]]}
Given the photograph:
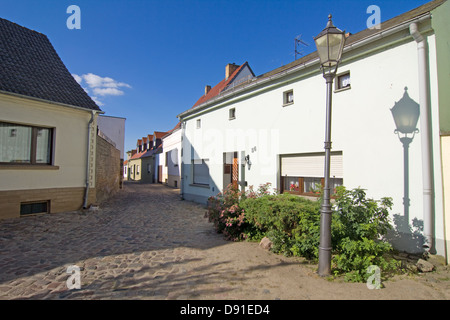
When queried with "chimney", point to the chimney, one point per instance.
{"points": [[229, 69], [207, 88]]}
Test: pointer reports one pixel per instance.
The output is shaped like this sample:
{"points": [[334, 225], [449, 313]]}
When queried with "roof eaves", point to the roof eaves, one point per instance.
{"points": [[18, 95]]}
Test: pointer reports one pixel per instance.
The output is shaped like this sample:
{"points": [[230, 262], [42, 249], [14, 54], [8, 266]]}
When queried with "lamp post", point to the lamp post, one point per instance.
{"points": [[406, 114], [330, 45]]}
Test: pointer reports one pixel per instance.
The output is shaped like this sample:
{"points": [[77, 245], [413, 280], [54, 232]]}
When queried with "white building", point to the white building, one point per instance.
{"points": [[114, 129], [271, 128], [170, 158]]}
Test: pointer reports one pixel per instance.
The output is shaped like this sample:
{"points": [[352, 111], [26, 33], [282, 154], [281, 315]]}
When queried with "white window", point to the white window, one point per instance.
{"points": [[199, 123], [288, 97], [21, 144], [232, 114], [149, 168], [174, 157], [303, 173], [200, 172], [343, 81], [137, 169]]}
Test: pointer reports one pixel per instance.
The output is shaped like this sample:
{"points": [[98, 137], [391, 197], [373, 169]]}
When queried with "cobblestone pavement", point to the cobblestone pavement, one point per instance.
{"points": [[146, 243]]}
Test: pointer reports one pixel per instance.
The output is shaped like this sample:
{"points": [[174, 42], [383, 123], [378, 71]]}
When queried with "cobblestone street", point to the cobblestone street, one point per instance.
{"points": [[148, 244]]}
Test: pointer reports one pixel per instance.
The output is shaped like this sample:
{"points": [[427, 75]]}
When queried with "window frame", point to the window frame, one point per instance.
{"points": [[232, 114], [31, 203], [198, 123], [286, 94], [203, 162], [337, 87], [33, 146], [300, 186]]}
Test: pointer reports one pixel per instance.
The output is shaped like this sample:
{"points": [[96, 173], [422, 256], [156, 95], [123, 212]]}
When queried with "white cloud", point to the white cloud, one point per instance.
{"points": [[108, 92], [100, 86]]}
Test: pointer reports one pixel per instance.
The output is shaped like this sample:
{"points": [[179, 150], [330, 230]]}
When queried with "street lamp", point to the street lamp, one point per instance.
{"points": [[330, 45]]}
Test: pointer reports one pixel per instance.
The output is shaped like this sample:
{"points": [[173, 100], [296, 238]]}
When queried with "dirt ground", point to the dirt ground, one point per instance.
{"points": [[289, 278]]}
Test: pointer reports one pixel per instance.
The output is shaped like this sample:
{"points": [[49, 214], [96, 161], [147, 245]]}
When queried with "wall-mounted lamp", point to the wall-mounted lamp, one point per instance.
{"points": [[247, 161]]}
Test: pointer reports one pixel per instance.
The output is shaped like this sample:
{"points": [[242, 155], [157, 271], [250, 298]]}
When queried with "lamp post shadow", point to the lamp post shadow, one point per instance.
{"points": [[406, 141], [406, 113]]}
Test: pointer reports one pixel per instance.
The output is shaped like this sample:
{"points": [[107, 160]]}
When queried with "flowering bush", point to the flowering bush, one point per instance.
{"points": [[228, 217]]}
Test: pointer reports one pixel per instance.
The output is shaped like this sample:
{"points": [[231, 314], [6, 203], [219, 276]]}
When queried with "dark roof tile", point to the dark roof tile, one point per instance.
{"points": [[30, 66]]}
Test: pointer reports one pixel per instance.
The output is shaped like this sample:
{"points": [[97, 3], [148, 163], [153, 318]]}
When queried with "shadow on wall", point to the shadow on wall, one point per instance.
{"points": [[410, 238]]}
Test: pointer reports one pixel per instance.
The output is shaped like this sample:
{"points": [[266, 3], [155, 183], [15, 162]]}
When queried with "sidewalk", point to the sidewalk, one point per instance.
{"points": [[148, 244]]}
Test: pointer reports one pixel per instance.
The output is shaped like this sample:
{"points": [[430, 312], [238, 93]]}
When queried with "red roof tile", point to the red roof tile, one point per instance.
{"points": [[141, 154], [159, 134], [219, 87]]}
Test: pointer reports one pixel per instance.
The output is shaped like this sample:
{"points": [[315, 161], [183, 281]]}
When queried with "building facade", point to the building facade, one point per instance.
{"points": [[170, 158], [270, 128], [47, 129]]}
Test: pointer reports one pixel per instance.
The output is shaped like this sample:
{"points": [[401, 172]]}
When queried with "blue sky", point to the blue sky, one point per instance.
{"points": [[148, 61]]}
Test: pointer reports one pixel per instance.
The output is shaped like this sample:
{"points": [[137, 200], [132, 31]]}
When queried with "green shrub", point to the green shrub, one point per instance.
{"points": [[359, 226], [290, 222]]}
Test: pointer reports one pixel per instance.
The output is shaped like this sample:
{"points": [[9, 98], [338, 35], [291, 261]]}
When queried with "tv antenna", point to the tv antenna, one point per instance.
{"points": [[299, 42]]}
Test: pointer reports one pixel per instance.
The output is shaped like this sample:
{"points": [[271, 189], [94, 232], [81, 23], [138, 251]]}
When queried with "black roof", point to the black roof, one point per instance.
{"points": [[30, 66]]}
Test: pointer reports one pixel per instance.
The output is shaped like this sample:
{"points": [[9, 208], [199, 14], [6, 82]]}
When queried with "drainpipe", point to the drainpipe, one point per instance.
{"points": [[425, 135], [88, 161]]}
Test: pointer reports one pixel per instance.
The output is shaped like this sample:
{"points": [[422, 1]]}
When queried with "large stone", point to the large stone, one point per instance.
{"points": [[424, 266], [266, 243]]}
